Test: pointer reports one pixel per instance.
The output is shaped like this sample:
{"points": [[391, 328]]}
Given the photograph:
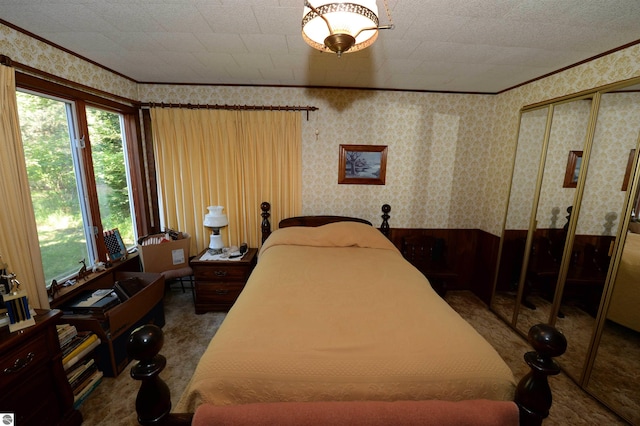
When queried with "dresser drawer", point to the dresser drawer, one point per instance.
{"points": [[33, 398], [23, 360], [222, 273]]}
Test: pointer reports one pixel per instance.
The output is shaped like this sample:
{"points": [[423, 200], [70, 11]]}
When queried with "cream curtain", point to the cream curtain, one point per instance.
{"points": [[19, 246], [235, 159]]}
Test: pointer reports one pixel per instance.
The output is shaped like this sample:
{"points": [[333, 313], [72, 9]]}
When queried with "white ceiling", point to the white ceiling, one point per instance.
{"points": [[442, 45]]}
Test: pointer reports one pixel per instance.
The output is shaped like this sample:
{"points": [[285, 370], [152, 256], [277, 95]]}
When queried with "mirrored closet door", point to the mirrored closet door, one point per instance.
{"points": [[531, 137], [569, 232], [557, 191], [614, 376]]}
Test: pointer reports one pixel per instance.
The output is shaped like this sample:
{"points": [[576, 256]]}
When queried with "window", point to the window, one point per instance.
{"points": [[80, 186]]}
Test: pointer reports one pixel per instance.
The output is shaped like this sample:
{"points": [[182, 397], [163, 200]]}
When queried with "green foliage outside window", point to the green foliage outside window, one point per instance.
{"points": [[53, 180]]}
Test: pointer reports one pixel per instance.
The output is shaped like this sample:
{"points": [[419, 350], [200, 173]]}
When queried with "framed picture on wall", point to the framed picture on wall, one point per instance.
{"points": [[573, 169], [362, 164]]}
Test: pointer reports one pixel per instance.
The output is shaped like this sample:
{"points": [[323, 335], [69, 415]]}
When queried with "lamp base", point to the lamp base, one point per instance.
{"points": [[215, 244]]}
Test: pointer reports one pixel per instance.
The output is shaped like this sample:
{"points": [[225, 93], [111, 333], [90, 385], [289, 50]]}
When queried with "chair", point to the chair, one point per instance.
{"points": [[179, 275]]}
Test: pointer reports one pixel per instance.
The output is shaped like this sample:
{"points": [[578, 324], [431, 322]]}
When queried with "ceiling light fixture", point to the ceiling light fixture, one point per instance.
{"points": [[342, 26]]}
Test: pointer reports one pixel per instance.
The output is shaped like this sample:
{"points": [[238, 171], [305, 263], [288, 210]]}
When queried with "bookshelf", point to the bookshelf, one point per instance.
{"points": [[80, 367]]}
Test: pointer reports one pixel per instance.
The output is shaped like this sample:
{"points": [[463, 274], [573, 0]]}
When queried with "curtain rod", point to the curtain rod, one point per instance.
{"points": [[233, 107], [7, 61]]}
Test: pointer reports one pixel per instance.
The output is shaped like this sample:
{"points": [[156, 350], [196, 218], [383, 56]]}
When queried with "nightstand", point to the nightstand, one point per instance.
{"points": [[218, 283]]}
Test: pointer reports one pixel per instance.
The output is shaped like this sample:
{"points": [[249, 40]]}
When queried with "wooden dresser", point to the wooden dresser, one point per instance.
{"points": [[218, 283], [33, 384]]}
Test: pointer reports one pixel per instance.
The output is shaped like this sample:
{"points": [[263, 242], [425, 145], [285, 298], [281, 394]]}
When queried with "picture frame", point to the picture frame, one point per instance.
{"points": [[573, 169], [627, 173], [362, 164]]}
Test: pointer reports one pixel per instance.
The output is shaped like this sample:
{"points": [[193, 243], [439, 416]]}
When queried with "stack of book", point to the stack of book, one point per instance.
{"points": [[92, 302], [84, 377], [82, 371], [66, 332]]}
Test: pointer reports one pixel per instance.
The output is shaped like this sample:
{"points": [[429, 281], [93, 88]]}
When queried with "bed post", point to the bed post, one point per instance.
{"points": [[533, 395], [266, 226], [153, 403], [384, 228]]}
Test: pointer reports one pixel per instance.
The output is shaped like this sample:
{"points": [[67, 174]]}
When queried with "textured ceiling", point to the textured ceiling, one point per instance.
{"points": [[442, 45]]}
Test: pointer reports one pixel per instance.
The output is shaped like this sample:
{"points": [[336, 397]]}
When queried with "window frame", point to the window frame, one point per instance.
{"points": [[140, 197]]}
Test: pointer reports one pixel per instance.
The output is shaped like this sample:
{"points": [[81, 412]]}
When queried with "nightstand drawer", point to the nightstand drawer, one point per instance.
{"points": [[219, 283], [222, 273], [225, 293]]}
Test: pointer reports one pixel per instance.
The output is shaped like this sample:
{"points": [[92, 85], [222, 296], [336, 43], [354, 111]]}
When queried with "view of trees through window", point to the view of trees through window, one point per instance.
{"points": [[59, 185], [107, 150]]}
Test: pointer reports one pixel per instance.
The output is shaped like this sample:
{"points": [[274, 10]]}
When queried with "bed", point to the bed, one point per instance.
{"points": [[626, 295], [335, 322]]}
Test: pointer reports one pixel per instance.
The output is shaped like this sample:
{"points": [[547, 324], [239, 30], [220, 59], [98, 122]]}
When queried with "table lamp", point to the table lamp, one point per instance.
{"points": [[215, 220]]}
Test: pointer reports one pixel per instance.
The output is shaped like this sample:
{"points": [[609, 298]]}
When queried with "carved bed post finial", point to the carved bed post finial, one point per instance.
{"points": [[266, 226], [533, 394], [154, 400], [384, 228]]}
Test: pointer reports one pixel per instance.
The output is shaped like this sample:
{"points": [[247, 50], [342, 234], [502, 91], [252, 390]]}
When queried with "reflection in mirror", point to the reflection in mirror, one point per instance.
{"points": [[523, 185], [568, 133], [615, 377], [600, 212]]}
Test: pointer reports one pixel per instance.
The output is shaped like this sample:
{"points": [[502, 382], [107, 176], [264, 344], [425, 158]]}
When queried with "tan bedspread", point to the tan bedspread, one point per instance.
{"points": [[336, 313], [626, 292]]}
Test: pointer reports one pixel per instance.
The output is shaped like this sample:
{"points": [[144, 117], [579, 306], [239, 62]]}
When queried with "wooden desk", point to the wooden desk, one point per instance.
{"points": [[218, 283]]}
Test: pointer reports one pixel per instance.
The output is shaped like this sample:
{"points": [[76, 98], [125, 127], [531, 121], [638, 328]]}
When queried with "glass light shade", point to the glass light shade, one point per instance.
{"points": [[215, 218], [357, 18]]}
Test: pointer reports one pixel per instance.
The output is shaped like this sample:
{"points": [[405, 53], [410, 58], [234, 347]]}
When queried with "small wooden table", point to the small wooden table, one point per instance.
{"points": [[218, 283]]}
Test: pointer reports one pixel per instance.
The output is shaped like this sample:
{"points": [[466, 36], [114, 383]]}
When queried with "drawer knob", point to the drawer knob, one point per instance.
{"points": [[20, 363], [220, 291], [220, 273]]}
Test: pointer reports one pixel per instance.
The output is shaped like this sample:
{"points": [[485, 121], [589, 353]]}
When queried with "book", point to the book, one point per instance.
{"points": [[66, 333], [74, 359], [122, 295], [81, 381], [130, 286], [93, 302], [93, 383], [75, 342], [82, 366]]}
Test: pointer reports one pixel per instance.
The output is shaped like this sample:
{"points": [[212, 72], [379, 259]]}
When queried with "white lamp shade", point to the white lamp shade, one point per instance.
{"points": [[215, 218], [345, 18]]}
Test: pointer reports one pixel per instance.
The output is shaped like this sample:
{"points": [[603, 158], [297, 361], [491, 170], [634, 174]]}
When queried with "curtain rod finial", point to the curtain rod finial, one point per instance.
{"points": [[5, 60]]}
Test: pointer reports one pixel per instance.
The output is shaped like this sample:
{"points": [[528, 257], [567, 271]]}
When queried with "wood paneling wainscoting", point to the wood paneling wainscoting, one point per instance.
{"points": [[452, 259]]}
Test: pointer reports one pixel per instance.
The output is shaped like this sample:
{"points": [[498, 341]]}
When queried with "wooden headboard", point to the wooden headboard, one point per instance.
{"points": [[317, 220]]}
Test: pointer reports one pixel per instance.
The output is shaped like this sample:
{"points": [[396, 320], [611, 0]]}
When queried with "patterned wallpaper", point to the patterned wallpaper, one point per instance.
{"points": [[618, 66], [436, 146], [450, 155], [34, 53], [527, 161], [616, 134]]}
